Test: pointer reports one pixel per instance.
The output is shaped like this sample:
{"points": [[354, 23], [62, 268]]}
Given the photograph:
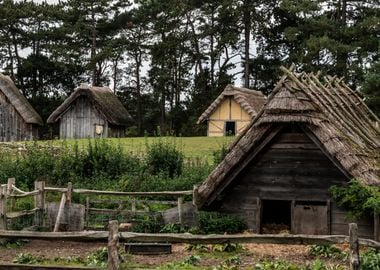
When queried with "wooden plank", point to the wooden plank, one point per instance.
{"points": [[148, 248], [376, 223], [60, 212], [3, 208]]}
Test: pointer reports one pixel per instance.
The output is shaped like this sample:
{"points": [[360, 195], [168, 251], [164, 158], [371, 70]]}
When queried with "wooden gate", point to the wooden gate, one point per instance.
{"points": [[310, 218]]}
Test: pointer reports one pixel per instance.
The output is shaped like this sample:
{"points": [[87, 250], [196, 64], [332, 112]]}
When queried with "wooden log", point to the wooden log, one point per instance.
{"points": [[60, 212], [26, 194], [113, 242], [120, 193], [87, 212], [11, 266], [3, 208], [133, 206], [63, 190], [102, 236], [22, 213], [354, 247], [39, 202]]}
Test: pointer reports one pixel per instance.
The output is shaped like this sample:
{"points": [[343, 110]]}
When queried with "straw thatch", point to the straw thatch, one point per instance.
{"points": [[326, 108], [250, 100], [102, 98], [22, 106]]}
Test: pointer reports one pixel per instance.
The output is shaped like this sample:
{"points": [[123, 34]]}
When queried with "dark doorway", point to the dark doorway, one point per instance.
{"points": [[230, 128], [276, 216]]}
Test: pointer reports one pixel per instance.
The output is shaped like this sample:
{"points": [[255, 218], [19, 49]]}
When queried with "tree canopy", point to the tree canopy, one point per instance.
{"points": [[168, 60]]}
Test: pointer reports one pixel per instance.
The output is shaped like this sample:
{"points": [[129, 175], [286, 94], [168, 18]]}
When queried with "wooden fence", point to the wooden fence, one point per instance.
{"points": [[9, 193], [113, 237]]}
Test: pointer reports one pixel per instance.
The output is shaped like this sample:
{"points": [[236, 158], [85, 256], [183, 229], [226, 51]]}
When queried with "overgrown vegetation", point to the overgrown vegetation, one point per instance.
{"points": [[357, 198], [212, 222], [102, 164]]}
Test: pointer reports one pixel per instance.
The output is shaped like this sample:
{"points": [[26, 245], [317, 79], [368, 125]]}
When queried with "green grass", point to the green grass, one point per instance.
{"points": [[192, 147]]}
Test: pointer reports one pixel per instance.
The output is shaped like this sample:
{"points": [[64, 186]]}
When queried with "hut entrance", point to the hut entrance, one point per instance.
{"points": [[230, 128], [276, 216]]}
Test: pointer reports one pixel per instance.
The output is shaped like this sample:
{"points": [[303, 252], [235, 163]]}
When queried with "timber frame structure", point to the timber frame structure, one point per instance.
{"points": [[18, 119], [310, 135], [232, 111], [91, 112]]}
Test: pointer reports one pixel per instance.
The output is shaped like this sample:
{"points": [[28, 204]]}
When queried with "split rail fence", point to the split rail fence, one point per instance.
{"points": [[9, 193]]}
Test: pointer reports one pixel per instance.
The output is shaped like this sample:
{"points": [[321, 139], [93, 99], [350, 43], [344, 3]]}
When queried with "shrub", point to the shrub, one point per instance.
{"points": [[212, 222], [370, 260], [326, 251], [25, 258], [98, 258], [164, 157]]}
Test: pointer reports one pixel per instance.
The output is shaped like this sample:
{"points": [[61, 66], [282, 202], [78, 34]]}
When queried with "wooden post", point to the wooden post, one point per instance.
{"points": [[376, 220], [113, 241], [11, 183], [133, 206], [60, 212], [3, 208], [195, 195], [39, 202], [354, 247], [180, 211], [69, 192]]}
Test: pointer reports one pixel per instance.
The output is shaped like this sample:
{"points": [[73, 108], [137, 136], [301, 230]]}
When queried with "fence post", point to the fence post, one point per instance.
{"points": [[3, 207], [113, 241], [69, 192], [11, 183], [195, 195], [39, 202], [133, 206], [354, 247], [180, 211]]}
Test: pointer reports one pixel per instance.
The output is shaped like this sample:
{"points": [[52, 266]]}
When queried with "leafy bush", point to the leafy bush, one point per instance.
{"points": [[326, 251], [276, 265], [228, 247], [98, 258], [26, 258], [164, 157], [212, 222], [370, 260], [357, 198], [147, 224]]}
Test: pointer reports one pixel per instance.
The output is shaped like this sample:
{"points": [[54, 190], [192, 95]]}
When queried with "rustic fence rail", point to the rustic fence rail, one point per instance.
{"points": [[113, 237]]}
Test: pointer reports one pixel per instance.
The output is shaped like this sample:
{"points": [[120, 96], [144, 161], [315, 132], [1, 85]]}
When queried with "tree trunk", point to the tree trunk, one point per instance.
{"points": [[247, 30]]}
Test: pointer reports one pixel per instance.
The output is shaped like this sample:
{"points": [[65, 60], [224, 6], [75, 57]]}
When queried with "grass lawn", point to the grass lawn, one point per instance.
{"points": [[201, 147]]}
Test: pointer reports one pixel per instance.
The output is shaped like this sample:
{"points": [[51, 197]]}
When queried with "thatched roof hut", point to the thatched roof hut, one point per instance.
{"points": [[91, 112], [18, 119], [232, 110], [310, 134]]}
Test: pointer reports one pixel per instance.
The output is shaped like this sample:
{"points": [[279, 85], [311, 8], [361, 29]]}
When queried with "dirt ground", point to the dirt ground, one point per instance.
{"points": [[251, 254]]}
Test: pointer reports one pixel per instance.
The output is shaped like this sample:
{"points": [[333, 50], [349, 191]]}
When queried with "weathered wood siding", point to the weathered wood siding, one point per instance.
{"points": [[290, 168], [80, 119], [228, 110], [12, 125]]}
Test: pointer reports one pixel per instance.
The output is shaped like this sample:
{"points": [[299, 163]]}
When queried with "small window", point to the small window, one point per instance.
{"points": [[230, 128]]}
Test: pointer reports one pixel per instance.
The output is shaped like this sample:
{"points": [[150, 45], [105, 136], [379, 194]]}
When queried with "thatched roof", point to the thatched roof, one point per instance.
{"points": [[250, 100], [20, 103], [333, 115], [102, 98]]}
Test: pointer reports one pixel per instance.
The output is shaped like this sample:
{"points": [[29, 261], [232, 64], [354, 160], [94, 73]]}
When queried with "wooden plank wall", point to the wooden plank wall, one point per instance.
{"points": [[290, 168], [12, 125], [80, 119]]}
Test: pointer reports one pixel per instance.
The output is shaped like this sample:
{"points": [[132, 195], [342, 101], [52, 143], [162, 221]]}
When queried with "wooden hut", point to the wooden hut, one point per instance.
{"points": [[309, 136], [18, 120], [91, 112], [231, 111]]}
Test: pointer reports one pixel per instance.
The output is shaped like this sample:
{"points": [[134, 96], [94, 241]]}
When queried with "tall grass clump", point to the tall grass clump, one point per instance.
{"points": [[164, 157]]}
